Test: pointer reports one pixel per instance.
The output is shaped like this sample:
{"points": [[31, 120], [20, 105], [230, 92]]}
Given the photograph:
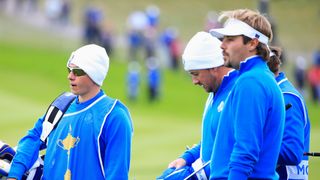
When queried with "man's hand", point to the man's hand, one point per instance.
{"points": [[178, 163]]}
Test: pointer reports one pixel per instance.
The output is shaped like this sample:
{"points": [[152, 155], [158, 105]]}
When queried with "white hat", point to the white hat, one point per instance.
{"points": [[235, 27], [202, 52], [93, 59]]}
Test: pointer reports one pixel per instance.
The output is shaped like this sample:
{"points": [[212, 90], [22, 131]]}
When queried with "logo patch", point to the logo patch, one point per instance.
{"points": [[220, 107]]}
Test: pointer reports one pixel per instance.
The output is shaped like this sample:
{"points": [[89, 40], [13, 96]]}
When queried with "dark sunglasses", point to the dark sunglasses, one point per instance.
{"points": [[76, 71]]}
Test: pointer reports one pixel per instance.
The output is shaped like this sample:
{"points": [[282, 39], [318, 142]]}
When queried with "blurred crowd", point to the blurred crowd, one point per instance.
{"points": [[150, 45]]}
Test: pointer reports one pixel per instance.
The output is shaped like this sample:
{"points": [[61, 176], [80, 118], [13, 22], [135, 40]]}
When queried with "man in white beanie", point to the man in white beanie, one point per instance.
{"points": [[203, 59], [93, 137]]}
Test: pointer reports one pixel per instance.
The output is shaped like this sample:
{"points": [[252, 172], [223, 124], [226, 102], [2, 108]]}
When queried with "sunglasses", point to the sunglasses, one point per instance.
{"points": [[76, 71]]}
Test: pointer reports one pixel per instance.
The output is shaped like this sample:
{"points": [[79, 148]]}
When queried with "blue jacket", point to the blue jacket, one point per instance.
{"points": [[296, 137], [214, 105], [92, 141], [251, 126]]}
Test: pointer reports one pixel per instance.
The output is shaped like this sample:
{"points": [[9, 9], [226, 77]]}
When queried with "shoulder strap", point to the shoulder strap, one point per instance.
{"points": [[55, 112]]}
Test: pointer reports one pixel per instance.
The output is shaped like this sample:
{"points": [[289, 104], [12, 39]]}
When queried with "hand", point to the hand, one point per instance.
{"points": [[11, 179], [178, 163]]}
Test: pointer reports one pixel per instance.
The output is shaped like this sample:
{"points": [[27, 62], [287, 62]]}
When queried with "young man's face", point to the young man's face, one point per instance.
{"points": [[80, 84], [234, 51], [207, 78]]}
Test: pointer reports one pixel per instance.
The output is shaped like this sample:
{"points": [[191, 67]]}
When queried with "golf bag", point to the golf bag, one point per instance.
{"points": [[6, 155], [51, 119]]}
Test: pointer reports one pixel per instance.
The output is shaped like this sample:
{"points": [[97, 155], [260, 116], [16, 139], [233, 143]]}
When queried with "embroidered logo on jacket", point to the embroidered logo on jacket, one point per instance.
{"points": [[67, 144], [220, 107]]}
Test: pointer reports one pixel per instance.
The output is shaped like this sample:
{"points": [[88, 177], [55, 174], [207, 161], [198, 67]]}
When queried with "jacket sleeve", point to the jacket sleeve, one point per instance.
{"points": [[27, 152], [118, 136], [292, 146], [192, 154]]}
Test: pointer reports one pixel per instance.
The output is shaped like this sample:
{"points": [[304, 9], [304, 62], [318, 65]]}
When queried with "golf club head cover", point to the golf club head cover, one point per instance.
{"points": [[6, 156], [6, 152], [55, 112]]}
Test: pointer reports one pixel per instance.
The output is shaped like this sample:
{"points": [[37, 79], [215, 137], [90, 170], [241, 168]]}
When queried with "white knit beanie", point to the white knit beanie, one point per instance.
{"points": [[202, 52], [93, 59]]}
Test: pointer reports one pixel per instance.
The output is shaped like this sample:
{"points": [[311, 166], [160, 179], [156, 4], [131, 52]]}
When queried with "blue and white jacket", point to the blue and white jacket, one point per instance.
{"points": [[251, 126], [214, 105], [296, 138], [92, 141]]}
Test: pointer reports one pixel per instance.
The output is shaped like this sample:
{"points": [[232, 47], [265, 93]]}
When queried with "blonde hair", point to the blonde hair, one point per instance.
{"points": [[256, 21]]}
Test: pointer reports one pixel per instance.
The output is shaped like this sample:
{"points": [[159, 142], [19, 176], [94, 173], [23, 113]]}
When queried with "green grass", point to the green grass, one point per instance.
{"points": [[33, 73]]}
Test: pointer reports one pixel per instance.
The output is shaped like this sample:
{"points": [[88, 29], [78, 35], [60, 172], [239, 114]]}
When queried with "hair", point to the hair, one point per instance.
{"points": [[275, 60], [256, 21]]}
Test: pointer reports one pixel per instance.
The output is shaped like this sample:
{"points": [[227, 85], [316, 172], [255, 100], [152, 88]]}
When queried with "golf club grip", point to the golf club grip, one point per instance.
{"points": [[312, 154]]}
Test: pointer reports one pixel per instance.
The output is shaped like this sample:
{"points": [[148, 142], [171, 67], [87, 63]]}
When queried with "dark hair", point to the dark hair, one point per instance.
{"points": [[274, 60]]}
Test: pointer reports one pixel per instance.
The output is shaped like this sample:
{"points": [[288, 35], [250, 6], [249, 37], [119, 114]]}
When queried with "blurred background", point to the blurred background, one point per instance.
{"points": [[145, 40]]}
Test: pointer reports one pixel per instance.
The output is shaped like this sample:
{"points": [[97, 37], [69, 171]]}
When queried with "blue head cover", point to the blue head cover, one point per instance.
{"points": [[6, 156]]}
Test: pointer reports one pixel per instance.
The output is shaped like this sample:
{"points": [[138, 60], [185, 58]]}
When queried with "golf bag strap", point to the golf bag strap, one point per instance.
{"points": [[54, 113]]}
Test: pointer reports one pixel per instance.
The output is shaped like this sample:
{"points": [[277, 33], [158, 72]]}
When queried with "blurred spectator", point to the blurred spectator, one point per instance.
{"points": [[92, 22], [150, 37], [107, 40], [172, 44], [314, 81], [300, 73], [133, 80], [316, 57], [65, 12], [137, 22], [263, 6], [53, 9], [314, 77], [154, 78], [152, 13]]}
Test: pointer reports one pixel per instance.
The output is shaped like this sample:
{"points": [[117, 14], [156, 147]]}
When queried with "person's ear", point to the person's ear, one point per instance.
{"points": [[253, 44]]}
